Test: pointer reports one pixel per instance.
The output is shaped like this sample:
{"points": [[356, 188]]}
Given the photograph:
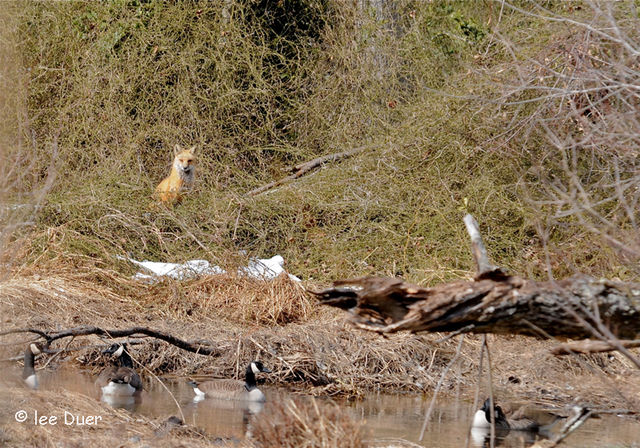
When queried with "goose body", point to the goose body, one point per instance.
{"points": [[118, 387], [227, 389], [29, 371], [482, 419], [119, 379]]}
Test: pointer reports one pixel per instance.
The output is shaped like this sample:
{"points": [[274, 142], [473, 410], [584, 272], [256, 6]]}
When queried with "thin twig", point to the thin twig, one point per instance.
{"points": [[438, 386], [591, 346], [492, 401], [164, 386], [57, 354], [476, 395]]}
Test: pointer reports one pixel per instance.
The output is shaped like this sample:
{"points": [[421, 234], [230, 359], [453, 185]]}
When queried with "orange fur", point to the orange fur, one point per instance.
{"points": [[181, 176]]}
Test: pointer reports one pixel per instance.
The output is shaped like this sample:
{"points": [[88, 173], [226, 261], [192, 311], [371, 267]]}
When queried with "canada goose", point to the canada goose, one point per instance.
{"points": [[120, 378], [29, 372], [482, 419], [233, 389]]}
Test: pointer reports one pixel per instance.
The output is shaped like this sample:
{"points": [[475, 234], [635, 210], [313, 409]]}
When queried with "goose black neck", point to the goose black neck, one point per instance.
{"points": [[500, 420], [249, 378], [125, 360], [28, 363]]}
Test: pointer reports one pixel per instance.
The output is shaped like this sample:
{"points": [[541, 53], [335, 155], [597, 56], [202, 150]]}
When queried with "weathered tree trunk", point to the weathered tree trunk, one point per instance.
{"points": [[495, 302], [575, 307]]}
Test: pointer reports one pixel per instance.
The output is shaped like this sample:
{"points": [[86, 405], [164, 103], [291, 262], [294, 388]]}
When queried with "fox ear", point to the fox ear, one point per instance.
{"points": [[192, 150], [177, 149]]}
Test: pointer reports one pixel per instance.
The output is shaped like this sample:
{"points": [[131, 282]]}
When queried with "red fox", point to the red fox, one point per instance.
{"points": [[180, 178]]}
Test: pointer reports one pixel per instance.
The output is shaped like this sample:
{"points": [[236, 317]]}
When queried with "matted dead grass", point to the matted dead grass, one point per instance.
{"points": [[74, 280], [306, 347], [238, 299], [307, 424], [309, 349], [73, 428]]}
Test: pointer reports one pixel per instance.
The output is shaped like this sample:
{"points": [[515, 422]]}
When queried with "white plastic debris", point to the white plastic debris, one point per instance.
{"points": [[262, 268]]}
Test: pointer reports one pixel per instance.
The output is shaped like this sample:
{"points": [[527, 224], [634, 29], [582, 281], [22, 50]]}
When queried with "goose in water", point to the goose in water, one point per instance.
{"points": [[482, 419], [29, 372], [119, 379], [229, 389]]}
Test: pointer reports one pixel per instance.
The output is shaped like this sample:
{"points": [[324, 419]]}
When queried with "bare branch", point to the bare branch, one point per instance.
{"points": [[199, 347], [484, 266], [303, 168], [589, 346]]}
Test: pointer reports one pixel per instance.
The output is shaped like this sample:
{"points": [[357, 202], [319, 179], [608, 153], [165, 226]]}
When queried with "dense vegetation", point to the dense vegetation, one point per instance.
{"points": [[432, 92]]}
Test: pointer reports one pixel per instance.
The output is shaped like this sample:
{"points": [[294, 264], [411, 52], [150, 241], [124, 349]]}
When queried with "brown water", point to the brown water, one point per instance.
{"points": [[390, 419]]}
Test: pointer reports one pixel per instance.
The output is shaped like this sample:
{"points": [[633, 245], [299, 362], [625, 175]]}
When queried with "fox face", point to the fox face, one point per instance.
{"points": [[183, 162]]}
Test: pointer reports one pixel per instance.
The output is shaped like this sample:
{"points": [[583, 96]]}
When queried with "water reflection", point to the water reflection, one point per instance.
{"points": [[224, 418], [128, 402], [400, 417], [481, 437], [250, 407]]}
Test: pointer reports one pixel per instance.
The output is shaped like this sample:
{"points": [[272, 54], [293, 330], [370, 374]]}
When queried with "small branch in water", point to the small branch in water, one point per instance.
{"points": [[492, 401], [578, 416], [438, 386], [476, 395]]}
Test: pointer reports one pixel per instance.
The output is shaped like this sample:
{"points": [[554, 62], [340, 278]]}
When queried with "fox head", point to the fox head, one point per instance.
{"points": [[184, 161]]}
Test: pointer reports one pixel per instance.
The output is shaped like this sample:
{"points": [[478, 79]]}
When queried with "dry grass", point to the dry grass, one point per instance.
{"points": [[242, 300], [308, 424], [114, 85], [116, 427], [23, 185], [322, 353], [230, 297], [122, 82], [317, 353], [322, 356]]}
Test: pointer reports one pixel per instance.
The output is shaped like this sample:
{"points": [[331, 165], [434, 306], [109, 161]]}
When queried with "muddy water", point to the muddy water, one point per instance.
{"points": [[390, 419]]}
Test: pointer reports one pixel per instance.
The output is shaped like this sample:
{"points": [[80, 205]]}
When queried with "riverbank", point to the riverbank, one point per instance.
{"points": [[309, 348]]}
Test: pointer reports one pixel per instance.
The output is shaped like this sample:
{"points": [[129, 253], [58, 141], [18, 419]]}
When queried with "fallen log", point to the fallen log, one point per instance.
{"points": [[578, 307], [507, 305]]}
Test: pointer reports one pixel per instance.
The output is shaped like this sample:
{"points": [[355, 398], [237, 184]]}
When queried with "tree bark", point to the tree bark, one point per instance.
{"points": [[494, 302], [576, 307]]}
